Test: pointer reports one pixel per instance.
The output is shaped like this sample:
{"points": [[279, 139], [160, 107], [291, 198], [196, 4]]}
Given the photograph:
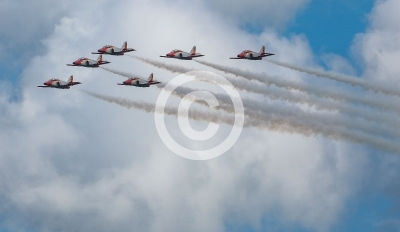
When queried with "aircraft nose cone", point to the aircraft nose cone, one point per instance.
{"points": [[45, 83]]}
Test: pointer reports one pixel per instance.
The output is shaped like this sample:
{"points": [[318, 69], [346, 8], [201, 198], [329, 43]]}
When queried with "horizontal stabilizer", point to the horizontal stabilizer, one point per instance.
{"points": [[267, 54]]}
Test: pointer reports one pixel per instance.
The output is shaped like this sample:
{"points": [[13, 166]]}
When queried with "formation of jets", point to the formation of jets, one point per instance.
{"points": [[135, 81]]}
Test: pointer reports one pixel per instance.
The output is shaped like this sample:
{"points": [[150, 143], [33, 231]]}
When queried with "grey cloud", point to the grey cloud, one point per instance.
{"points": [[70, 162], [258, 12]]}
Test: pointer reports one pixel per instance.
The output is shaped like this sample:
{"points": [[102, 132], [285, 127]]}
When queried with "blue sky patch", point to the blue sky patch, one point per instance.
{"points": [[330, 25]]}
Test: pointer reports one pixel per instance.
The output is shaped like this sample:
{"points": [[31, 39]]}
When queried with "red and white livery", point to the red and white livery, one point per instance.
{"points": [[250, 55], [178, 54], [136, 81], [86, 62], [58, 84], [115, 51]]}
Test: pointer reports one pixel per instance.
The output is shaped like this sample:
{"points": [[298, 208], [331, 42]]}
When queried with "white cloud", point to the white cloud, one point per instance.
{"points": [[70, 162], [379, 47]]}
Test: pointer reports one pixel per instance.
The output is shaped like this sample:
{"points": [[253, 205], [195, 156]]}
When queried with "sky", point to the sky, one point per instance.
{"points": [[320, 152]]}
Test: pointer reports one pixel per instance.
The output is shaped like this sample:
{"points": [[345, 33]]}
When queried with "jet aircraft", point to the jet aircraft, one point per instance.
{"points": [[56, 83], [112, 50], [135, 81], [178, 54], [250, 55], [86, 62]]}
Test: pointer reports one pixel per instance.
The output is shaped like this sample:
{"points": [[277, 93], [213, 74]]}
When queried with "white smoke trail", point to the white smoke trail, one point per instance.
{"points": [[289, 85], [124, 74], [254, 108], [367, 85], [360, 126], [297, 121], [294, 97], [287, 123], [310, 100], [148, 107], [162, 65], [277, 81]]}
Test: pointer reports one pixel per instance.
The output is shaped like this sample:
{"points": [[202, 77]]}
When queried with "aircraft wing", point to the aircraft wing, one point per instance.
{"points": [[197, 55], [44, 86], [165, 56], [236, 58], [71, 65], [97, 52]]}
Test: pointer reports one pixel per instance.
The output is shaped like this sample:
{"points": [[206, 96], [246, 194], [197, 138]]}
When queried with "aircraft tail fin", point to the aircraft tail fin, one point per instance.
{"points": [[71, 79], [124, 46], [262, 51], [100, 59], [150, 79], [193, 51]]}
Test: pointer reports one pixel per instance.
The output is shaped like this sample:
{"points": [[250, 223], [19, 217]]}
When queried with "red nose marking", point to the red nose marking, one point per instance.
{"points": [[77, 62]]}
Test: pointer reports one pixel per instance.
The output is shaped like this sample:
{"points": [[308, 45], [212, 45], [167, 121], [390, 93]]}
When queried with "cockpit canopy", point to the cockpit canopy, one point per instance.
{"points": [[108, 46], [246, 51], [176, 50]]}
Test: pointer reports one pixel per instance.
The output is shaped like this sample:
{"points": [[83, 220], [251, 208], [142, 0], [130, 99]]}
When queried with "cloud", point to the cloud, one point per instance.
{"points": [[71, 162], [378, 47], [24, 25]]}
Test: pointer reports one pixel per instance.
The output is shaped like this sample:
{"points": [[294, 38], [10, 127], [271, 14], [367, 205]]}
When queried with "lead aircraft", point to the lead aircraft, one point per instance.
{"points": [[58, 84], [136, 81], [181, 55], [250, 55]]}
